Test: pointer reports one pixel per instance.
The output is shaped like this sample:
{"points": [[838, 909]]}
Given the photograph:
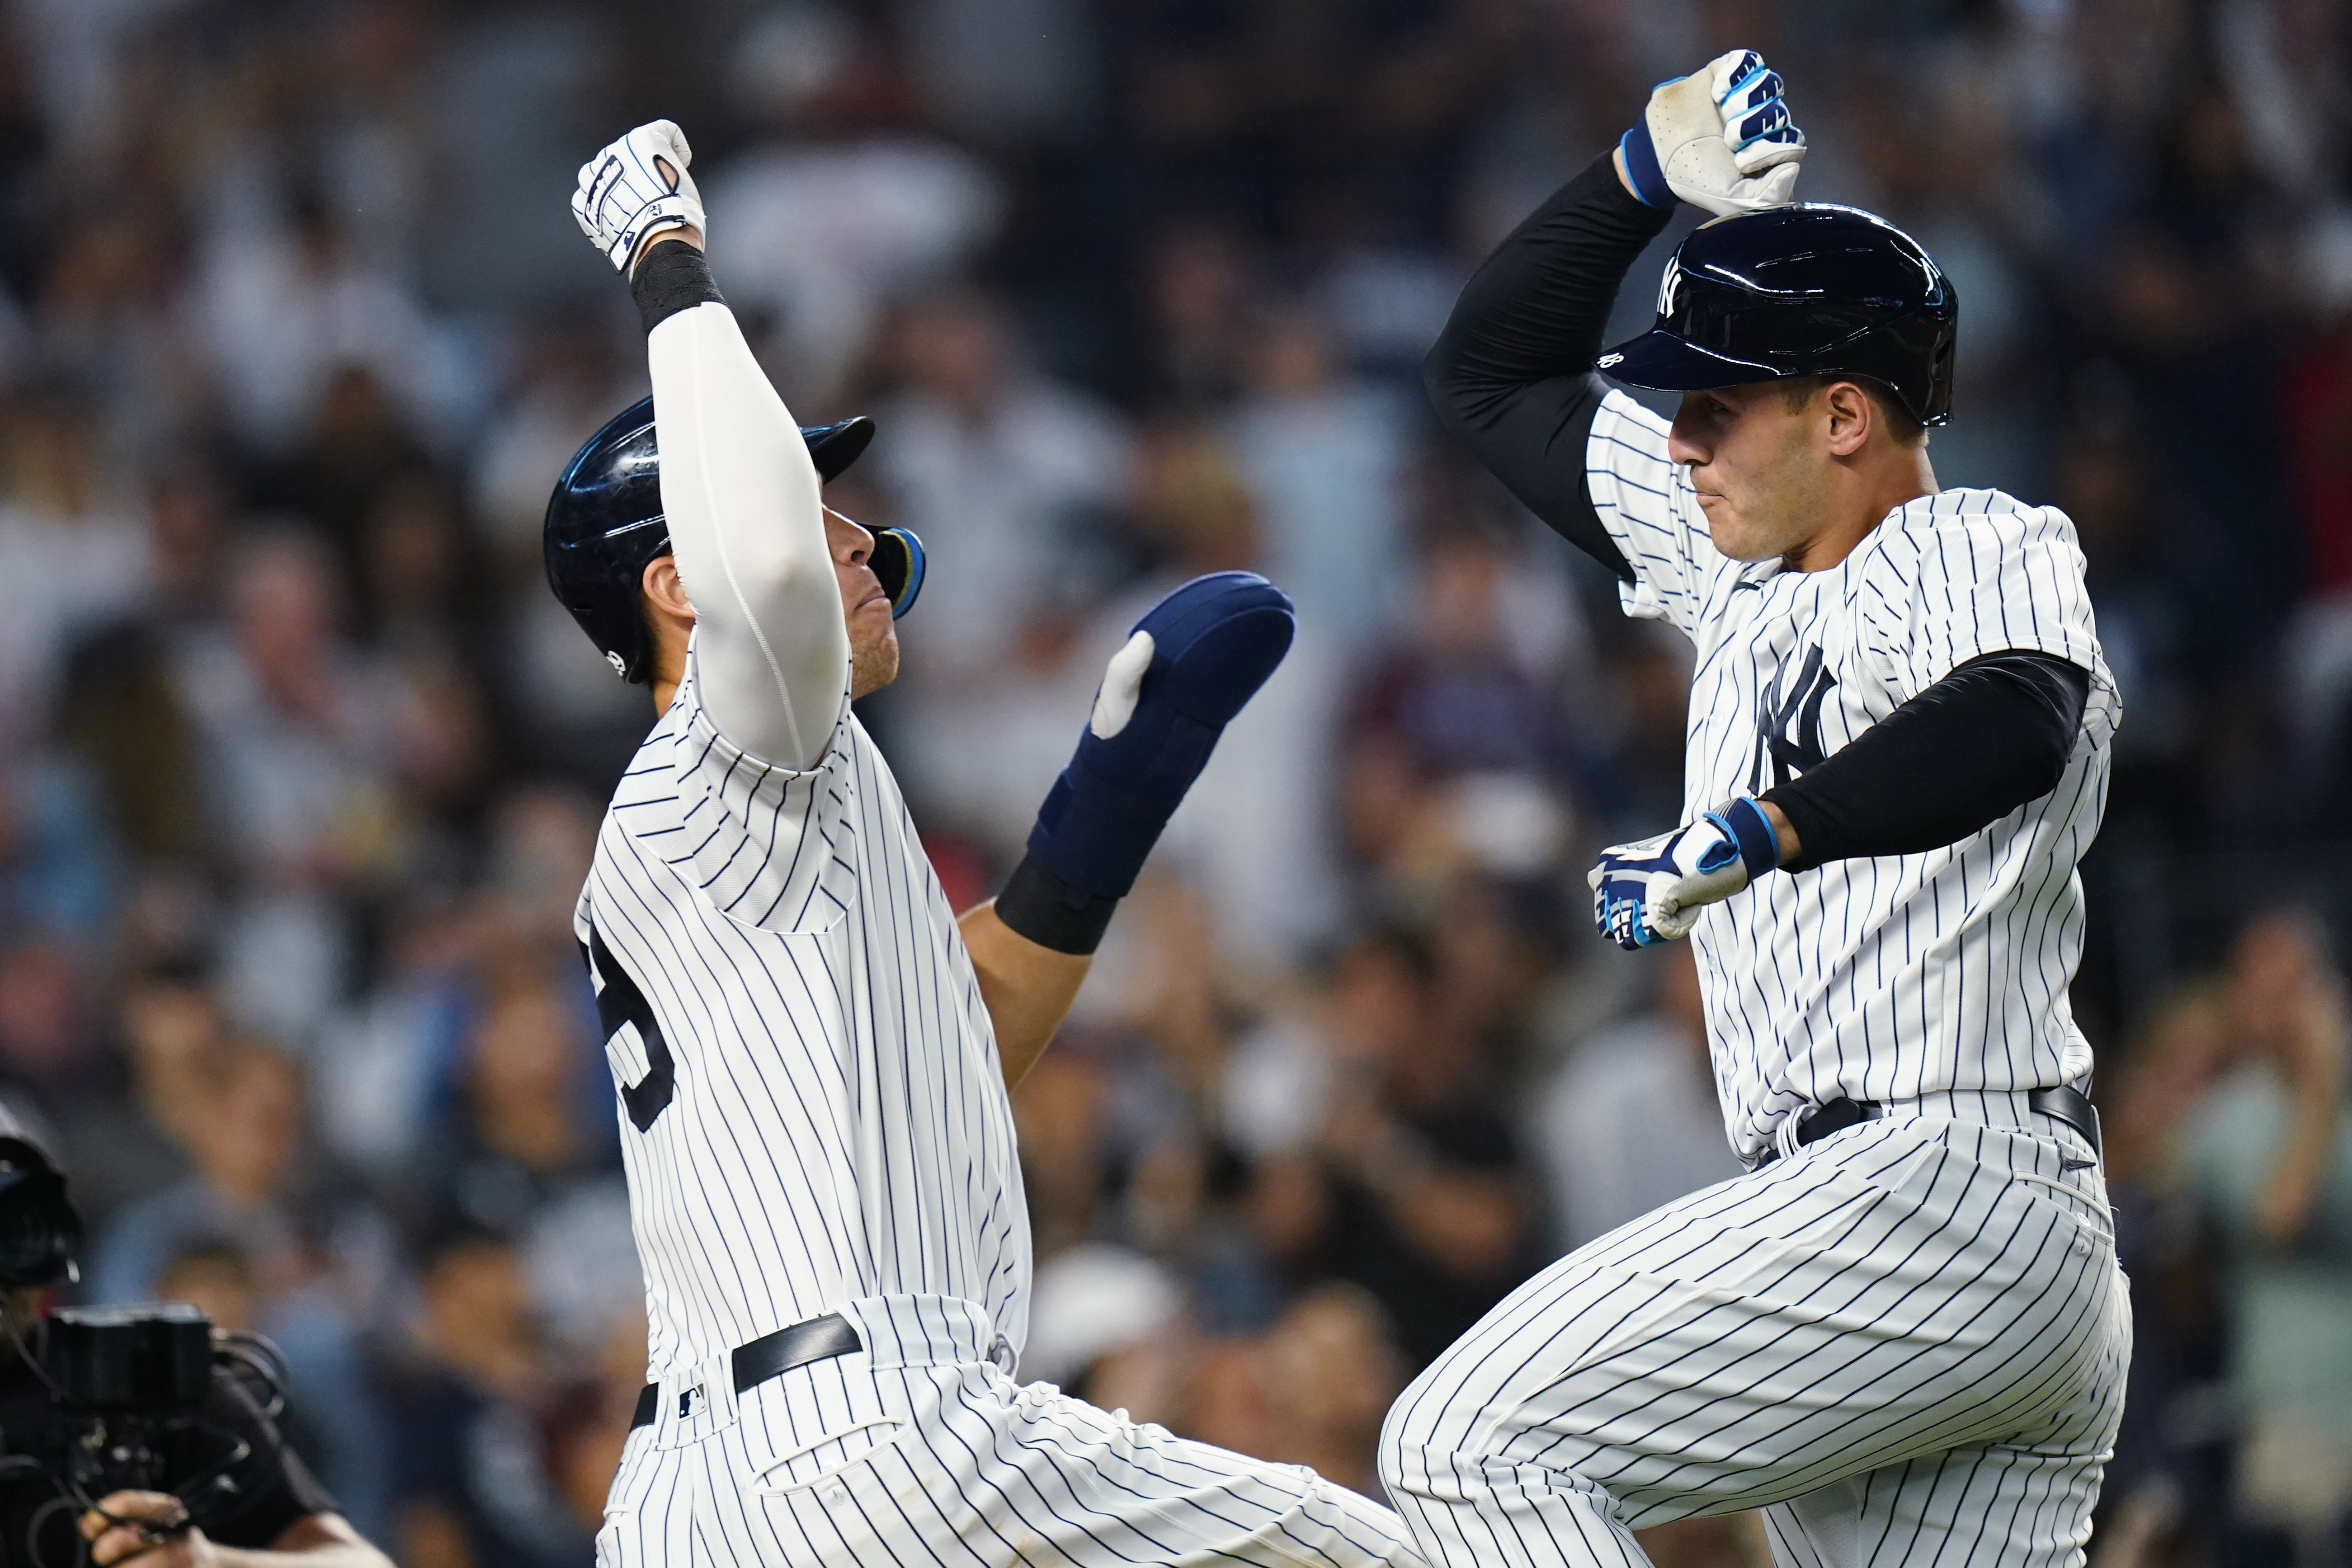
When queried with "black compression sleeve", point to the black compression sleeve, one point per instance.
{"points": [[1512, 373], [1970, 749], [673, 277]]}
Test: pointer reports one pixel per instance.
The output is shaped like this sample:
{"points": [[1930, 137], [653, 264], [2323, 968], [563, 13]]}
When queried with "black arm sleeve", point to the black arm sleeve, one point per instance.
{"points": [[1512, 373], [1970, 749]]}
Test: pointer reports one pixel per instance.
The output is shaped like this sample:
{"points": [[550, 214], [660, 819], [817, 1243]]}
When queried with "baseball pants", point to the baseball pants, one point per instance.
{"points": [[1905, 1343], [903, 1456]]}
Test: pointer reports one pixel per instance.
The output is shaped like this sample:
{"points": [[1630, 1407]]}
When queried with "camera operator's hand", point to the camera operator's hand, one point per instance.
{"points": [[149, 1528]]}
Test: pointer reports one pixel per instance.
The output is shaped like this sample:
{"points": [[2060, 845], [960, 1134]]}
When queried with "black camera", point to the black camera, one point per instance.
{"points": [[129, 1384], [140, 1398], [147, 1398]]}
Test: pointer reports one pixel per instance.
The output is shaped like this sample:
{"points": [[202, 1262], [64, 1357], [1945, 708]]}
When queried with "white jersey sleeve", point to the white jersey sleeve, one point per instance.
{"points": [[767, 845], [1942, 586], [1644, 500], [771, 648]]}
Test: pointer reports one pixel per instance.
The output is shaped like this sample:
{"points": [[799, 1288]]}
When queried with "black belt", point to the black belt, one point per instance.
{"points": [[2061, 1103], [770, 1355]]}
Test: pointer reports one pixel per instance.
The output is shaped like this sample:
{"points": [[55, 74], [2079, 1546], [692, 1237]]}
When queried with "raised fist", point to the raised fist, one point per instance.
{"points": [[1720, 139], [636, 188]]}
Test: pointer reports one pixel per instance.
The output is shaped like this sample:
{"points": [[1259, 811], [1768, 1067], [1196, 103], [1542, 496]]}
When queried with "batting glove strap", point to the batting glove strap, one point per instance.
{"points": [[1759, 840], [1642, 168], [1187, 669]]}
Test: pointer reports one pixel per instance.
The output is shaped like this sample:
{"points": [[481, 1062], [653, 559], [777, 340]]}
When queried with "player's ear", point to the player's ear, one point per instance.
{"points": [[665, 592], [1852, 416]]}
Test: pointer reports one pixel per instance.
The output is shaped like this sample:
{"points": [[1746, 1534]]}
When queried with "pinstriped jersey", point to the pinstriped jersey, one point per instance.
{"points": [[810, 1103], [1896, 976]]}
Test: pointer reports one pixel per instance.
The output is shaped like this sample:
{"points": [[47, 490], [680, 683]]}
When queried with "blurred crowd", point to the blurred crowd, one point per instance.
{"points": [[301, 765]]}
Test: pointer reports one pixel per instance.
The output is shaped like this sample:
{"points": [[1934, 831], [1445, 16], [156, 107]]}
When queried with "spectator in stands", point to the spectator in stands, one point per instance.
{"points": [[1629, 1122], [1426, 1209], [474, 1486], [2267, 1156]]}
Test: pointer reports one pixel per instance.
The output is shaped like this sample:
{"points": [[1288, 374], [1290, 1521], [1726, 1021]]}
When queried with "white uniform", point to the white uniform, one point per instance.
{"points": [[1909, 1337], [813, 1117]]}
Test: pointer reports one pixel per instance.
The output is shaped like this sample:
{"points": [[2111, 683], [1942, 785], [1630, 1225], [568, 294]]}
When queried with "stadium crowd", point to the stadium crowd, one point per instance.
{"points": [[301, 765]]}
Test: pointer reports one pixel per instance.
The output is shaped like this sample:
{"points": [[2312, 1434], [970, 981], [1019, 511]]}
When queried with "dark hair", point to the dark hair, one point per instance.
{"points": [[1797, 391]]}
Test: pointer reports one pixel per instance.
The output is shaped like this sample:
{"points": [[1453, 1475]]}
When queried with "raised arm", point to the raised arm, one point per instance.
{"points": [[1512, 373], [770, 648]]}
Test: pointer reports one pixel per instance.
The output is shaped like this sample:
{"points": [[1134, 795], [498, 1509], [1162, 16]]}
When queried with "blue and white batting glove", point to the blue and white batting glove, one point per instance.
{"points": [[1720, 139], [636, 188], [1652, 892]]}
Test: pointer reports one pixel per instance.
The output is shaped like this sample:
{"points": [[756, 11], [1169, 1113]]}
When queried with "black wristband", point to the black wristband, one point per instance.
{"points": [[673, 277], [1039, 905]]}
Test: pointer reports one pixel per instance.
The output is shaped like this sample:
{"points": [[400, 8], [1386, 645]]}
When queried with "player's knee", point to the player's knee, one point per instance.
{"points": [[1409, 1462], [1439, 1445], [1392, 1452]]}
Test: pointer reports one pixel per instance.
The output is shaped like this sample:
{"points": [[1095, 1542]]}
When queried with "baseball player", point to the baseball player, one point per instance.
{"points": [[812, 1052], [1903, 1334]]}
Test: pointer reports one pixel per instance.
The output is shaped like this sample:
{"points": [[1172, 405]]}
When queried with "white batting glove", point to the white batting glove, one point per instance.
{"points": [[1652, 892], [635, 188], [1720, 139]]}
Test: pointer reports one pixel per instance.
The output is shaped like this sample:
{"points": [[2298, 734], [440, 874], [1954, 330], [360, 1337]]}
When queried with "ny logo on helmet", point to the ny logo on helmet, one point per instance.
{"points": [[1667, 283]]}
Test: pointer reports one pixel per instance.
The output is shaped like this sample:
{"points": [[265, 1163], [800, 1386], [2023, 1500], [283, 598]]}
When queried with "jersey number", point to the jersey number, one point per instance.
{"points": [[620, 1002]]}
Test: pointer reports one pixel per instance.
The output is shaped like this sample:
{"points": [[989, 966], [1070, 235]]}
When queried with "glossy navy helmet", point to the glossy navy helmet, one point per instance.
{"points": [[1808, 289], [604, 524]]}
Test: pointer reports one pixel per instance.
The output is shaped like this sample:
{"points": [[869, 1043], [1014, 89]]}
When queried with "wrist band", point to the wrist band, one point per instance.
{"points": [[1039, 905], [1649, 188], [673, 277], [1759, 843]]}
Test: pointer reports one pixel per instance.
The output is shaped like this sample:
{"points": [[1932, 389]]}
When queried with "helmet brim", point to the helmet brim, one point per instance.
{"points": [[833, 447], [1662, 361]]}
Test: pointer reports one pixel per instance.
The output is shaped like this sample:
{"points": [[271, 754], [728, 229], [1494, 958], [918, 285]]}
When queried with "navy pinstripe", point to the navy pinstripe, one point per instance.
{"points": [[837, 1139], [1906, 1342]]}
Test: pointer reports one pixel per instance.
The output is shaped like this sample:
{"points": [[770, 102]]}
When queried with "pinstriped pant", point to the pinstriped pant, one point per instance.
{"points": [[1906, 1343], [957, 1466]]}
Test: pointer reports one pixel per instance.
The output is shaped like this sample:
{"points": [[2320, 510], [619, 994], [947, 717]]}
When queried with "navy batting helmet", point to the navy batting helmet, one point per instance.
{"points": [[1807, 289], [605, 523]]}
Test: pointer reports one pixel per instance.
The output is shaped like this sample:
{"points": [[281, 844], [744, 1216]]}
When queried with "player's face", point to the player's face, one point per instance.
{"points": [[1760, 469], [872, 633]]}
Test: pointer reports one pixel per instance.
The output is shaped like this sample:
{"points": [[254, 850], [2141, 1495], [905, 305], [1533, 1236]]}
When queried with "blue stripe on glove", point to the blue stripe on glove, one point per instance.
{"points": [[1754, 105]]}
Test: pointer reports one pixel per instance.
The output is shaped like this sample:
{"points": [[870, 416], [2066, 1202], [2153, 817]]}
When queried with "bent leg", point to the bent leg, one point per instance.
{"points": [[986, 1474], [1996, 1506], [1907, 1288]]}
